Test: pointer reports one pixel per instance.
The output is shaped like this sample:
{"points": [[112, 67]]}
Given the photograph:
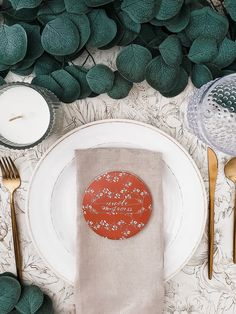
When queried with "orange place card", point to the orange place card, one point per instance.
{"points": [[117, 205]]}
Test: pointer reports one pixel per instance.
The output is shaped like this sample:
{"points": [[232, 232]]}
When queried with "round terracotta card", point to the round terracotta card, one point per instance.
{"points": [[117, 205]]}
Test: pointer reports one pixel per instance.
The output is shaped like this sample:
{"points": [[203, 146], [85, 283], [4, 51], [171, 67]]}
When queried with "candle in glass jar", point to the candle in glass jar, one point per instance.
{"points": [[24, 115]]}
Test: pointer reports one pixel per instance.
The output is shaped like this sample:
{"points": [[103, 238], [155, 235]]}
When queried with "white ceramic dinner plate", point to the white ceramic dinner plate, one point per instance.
{"points": [[52, 194]]}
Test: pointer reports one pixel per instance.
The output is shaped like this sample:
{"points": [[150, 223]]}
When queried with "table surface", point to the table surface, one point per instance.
{"points": [[189, 291]]}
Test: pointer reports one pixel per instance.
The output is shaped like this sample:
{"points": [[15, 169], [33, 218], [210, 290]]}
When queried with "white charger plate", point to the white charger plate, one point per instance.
{"points": [[52, 194]]}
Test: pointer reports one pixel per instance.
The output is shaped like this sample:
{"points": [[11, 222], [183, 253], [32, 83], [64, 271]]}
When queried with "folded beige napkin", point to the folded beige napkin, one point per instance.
{"points": [[120, 276]]}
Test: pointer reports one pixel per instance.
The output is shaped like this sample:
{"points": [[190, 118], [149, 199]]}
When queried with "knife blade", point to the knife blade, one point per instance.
{"points": [[212, 173]]}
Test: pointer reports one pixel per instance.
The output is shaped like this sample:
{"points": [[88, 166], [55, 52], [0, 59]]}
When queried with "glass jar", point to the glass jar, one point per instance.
{"points": [[211, 114]]}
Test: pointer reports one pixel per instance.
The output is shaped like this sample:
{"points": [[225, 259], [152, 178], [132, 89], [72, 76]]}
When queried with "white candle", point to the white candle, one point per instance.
{"points": [[24, 115]]}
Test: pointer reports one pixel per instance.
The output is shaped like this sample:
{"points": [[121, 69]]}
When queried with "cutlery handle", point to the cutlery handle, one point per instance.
{"points": [[16, 241], [211, 238], [213, 170], [234, 237]]}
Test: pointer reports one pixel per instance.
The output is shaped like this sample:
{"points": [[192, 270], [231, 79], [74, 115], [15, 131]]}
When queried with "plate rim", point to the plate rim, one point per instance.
{"points": [[77, 129]]}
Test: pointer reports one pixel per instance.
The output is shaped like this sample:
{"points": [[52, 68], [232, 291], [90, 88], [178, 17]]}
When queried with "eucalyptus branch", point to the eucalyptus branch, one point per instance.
{"points": [[90, 55]]}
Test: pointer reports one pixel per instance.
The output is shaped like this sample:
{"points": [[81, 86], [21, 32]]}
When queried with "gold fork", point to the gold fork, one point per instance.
{"points": [[11, 181]]}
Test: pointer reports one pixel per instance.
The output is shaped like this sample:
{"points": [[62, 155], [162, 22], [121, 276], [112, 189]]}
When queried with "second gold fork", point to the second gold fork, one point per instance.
{"points": [[11, 181]]}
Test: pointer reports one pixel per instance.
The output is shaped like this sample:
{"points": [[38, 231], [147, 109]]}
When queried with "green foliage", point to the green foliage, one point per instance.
{"points": [[120, 88], [48, 82], [79, 73], [168, 9], [22, 4], [171, 50], [201, 75], [10, 291], [15, 298], [179, 85], [226, 54], [83, 26], [103, 28], [164, 41], [131, 29], [69, 85], [140, 11], [46, 307], [203, 50], [46, 64], [230, 6], [160, 75], [132, 61], [100, 79], [60, 37], [30, 301], [208, 23], [76, 6], [180, 21], [97, 3], [13, 44]]}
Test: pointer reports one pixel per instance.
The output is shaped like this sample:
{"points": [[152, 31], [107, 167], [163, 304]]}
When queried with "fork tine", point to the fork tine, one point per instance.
{"points": [[16, 172], [4, 174], [7, 170], [11, 170]]}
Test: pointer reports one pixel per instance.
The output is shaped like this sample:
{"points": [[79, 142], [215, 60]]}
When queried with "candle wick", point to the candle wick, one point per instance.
{"points": [[15, 118]]}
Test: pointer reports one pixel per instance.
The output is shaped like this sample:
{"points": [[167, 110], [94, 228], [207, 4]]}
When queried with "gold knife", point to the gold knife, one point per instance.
{"points": [[212, 170]]}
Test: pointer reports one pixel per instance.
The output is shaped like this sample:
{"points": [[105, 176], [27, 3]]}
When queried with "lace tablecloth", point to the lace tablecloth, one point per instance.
{"points": [[189, 291]]}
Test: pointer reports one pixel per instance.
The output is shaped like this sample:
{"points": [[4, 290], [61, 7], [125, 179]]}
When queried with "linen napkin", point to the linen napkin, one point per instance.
{"points": [[120, 276]]}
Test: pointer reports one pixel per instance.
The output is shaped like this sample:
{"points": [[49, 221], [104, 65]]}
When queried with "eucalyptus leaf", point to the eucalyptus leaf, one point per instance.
{"points": [[27, 15], [207, 22], [132, 61], [10, 291], [76, 6], [180, 21], [187, 65], [82, 23], [171, 50], [22, 4], [121, 87], [50, 10], [97, 3], [179, 85], [69, 85], [100, 79], [140, 11], [34, 48], [4, 67], [186, 42], [13, 44], [24, 64], [103, 29], [147, 34], [168, 9], [215, 70], [226, 54], [131, 29], [160, 75], [46, 64], [230, 6], [60, 37], [30, 300], [79, 73], [201, 75], [46, 307], [23, 72], [48, 82], [203, 50]]}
